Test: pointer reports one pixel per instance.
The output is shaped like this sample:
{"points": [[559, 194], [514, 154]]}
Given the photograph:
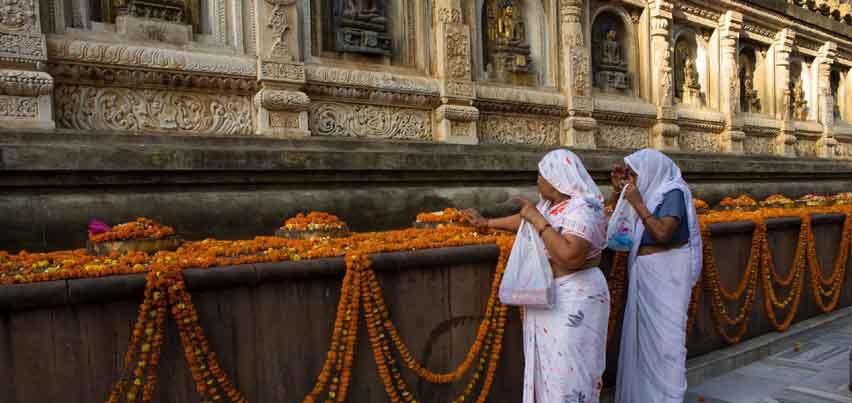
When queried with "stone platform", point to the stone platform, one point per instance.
{"points": [[52, 183]]}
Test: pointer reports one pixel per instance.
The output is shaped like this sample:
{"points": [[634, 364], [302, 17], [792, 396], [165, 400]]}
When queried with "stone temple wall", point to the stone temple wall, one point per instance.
{"points": [[756, 77]]}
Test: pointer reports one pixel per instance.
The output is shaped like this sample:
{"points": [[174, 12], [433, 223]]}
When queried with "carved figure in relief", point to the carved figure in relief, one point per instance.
{"points": [[507, 49], [690, 87], [799, 104], [749, 99], [611, 73], [361, 26]]}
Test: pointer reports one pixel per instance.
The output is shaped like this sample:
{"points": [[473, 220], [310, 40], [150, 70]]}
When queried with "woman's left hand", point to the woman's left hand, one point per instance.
{"points": [[528, 210]]}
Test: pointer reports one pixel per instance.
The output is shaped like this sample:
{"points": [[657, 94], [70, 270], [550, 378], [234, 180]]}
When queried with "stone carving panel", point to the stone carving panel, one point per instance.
{"points": [[278, 23], [458, 55], [620, 137], [806, 148], [18, 16], [25, 83], [380, 80], [503, 129], [22, 46], [18, 107], [369, 121], [126, 109], [701, 142], [757, 145]]}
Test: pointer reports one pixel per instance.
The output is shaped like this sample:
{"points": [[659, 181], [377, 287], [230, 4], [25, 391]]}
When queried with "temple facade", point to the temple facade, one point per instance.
{"points": [[742, 77]]}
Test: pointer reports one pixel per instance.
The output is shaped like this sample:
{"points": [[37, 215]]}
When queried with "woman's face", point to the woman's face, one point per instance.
{"points": [[547, 191]]}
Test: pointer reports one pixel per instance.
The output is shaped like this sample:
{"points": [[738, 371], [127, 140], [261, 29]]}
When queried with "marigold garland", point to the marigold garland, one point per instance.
{"points": [[314, 220], [141, 228], [446, 215]]}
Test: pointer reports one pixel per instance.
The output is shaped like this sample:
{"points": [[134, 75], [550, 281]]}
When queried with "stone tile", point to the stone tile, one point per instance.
{"points": [[738, 388], [806, 395], [835, 338], [693, 397], [830, 380], [784, 373]]}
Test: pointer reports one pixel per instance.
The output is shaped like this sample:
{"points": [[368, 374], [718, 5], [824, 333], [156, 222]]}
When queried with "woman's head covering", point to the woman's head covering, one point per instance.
{"points": [[583, 214], [658, 175], [565, 172]]}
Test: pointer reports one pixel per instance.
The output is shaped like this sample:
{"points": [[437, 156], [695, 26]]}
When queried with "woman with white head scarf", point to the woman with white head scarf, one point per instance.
{"points": [[663, 266], [565, 347]]}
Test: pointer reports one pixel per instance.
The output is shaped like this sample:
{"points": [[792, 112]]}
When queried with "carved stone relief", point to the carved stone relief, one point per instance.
{"points": [[292, 72], [702, 142], [18, 16], [91, 108], [609, 59], [370, 121], [620, 137], [25, 83], [279, 24], [503, 129], [371, 79], [758, 145], [806, 148], [458, 55], [18, 107], [361, 26]]}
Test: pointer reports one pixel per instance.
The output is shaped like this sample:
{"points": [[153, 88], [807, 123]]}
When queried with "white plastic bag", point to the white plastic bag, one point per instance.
{"points": [[619, 232], [528, 279]]}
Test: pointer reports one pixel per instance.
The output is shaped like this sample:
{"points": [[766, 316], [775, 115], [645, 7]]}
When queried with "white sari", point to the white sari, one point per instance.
{"points": [[565, 347], [652, 358]]}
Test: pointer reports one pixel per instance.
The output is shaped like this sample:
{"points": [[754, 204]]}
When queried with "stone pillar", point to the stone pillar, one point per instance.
{"points": [[827, 144], [664, 134], [25, 90], [729, 83], [578, 127], [282, 107], [455, 118], [785, 141]]}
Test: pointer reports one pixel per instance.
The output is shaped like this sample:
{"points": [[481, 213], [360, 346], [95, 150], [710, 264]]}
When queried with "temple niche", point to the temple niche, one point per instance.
{"points": [[687, 81], [507, 48], [361, 26], [749, 94], [610, 61]]}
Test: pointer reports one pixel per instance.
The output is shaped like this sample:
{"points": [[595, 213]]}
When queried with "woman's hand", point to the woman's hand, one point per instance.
{"points": [[528, 210], [633, 196], [476, 219]]}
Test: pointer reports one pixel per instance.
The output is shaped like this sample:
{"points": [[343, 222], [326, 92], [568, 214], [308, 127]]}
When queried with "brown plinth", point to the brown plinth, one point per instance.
{"points": [[310, 234], [142, 245]]}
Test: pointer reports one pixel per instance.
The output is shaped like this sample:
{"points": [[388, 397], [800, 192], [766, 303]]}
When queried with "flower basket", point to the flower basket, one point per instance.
{"points": [[147, 245]]}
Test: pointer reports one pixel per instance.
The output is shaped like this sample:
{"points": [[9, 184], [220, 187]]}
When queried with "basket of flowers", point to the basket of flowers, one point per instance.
{"points": [[448, 217], [815, 200], [142, 235], [741, 203], [313, 225], [701, 206], [778, 201]]}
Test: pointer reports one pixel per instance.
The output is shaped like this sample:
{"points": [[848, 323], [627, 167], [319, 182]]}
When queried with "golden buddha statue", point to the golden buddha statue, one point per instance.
{"points": [[510, 26]]}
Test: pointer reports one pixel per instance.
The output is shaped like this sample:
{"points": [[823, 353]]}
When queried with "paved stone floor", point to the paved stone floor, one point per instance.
{"points": [[817, 373]]}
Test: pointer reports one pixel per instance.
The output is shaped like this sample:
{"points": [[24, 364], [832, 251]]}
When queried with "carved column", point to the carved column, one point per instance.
{"points": [[785, 141], [578, 128], [733, 136], [455, 118], [25, 91], [282, 108], [664, 135], [827, 144]]}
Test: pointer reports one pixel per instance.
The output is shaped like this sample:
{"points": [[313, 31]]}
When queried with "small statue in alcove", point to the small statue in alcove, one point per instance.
{"points": [[800, 104], [361, 26], [507, 48], [749, 100]]}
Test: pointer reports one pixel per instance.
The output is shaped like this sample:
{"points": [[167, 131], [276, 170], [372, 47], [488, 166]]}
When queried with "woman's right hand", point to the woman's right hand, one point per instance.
{"points": [[476, 219], [618, 177]]}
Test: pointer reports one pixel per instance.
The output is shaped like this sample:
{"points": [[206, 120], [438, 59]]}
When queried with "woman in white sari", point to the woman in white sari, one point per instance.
{"points": [[663, 266], [565, 347]]}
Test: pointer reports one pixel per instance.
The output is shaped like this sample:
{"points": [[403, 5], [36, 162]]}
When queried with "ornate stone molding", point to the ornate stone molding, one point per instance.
{"points": [[767, 34], [699, 11], [19, 16], [457, 113], [283, 100], [517, 100], [150, 57], [25, 83], [286, 72], [125, 109], [369, 121], [70, 72], [371, 79], [373, 95]]}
